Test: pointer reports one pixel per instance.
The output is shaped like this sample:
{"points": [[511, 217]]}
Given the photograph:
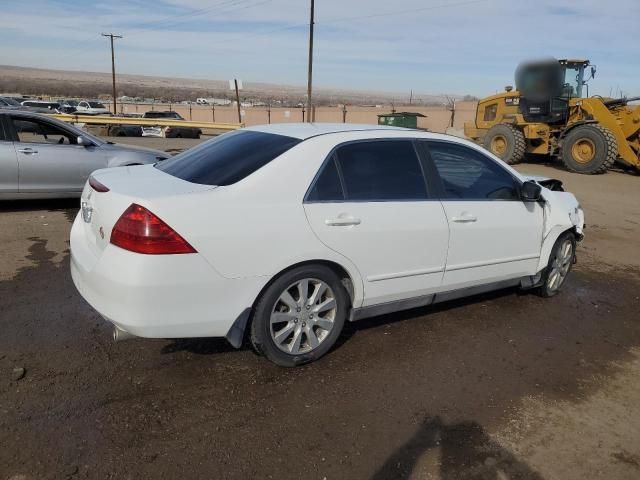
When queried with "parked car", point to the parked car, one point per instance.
{"points": [[41, 157], [41, 106], [125, 131], [169, 132], [288, 231], [92, 107], [8, 103], [68, 106]]}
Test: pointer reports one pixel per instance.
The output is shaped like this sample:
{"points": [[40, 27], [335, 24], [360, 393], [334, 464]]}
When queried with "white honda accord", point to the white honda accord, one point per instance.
{"points": [[279, 234]]}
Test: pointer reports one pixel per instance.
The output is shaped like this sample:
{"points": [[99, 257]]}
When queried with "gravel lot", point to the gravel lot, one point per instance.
{"points": [[500, 386]]}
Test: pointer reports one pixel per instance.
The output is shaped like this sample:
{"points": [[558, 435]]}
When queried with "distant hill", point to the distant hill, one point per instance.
{"points": [[69, 83]]}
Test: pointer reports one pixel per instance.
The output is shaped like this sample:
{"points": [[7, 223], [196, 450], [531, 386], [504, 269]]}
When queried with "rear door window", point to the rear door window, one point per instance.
{"points": [[383, 170], [229, 158], [327, 187]]}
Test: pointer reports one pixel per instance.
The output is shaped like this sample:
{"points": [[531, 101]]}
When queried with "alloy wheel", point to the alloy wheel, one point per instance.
{"points": [[303, 316], [561, 265]]}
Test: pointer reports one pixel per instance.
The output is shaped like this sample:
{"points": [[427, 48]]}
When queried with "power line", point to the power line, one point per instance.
{"points": [[404, 12], [361, 17], [164, 22]]}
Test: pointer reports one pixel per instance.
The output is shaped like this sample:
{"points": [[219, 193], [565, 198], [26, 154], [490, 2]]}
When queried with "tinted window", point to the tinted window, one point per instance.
{"points": [[96, 105], [468, 174], [381, 170], [228, 158], [327, 186], [10, 101], [38, 131]]}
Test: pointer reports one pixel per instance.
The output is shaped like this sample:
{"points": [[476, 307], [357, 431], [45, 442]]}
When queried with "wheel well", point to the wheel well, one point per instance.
{"points": [[574, 125], [337, 268]]}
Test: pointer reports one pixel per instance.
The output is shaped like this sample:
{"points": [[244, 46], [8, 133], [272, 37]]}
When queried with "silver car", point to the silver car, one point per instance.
{"points": [[41, 157]]}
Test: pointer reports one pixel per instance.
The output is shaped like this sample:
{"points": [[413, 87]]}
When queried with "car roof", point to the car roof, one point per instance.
{"points": [[308, 130]]}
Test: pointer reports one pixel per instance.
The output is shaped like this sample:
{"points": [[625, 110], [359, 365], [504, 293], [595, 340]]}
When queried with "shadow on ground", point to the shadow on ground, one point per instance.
{"points": [[464, 451]]}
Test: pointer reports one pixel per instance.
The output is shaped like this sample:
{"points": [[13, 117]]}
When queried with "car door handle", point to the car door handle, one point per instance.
{"points": [[27, 151], [464, 218], [342, 221]]}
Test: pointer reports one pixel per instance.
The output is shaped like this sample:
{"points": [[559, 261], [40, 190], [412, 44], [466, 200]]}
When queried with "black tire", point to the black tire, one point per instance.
{"points": [[260, 329], [512, 139], [547, 289], [593, 136]]}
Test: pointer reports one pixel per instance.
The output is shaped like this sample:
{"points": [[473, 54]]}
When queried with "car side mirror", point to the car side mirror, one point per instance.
{"points": [[530, 191], [83, 141]]}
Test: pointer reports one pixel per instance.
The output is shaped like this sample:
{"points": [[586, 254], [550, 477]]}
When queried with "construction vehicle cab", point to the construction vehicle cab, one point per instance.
{"points": [[550, 113]]}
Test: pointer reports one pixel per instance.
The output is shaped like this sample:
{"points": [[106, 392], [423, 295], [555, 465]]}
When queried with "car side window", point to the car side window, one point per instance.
{"points": [[467, 174], [382, 170], [327, 186], [35, 131]]}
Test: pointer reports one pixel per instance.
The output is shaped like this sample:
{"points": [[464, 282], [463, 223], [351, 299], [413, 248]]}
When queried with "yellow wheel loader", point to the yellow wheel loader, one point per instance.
{"points": [[547, 114]]}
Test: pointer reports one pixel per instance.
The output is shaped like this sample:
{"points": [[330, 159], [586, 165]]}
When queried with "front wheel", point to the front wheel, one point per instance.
{"points": [[560, 262], [506, 142], [589, 149], [300, 316]]}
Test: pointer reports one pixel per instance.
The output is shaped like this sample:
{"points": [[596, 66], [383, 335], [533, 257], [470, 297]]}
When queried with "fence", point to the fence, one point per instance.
{"points": [[437, 118]]}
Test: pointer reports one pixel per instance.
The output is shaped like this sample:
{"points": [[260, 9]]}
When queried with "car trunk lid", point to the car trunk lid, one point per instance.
{"points": [[126, 185]]}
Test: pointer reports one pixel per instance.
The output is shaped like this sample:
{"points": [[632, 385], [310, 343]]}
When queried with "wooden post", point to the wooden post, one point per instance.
{"points": [[269, 113], [113, 69], [303, 114], [190, 116], [235, 80], [344, 113], [213, 112]]}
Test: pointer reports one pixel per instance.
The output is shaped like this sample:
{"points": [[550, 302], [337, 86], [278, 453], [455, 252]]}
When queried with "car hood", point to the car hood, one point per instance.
{"points": [[547, 182], [134, 148]]}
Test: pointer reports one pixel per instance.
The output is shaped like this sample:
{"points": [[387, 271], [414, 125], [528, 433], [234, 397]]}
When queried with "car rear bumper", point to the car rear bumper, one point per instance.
{"points": [[158, 296]]}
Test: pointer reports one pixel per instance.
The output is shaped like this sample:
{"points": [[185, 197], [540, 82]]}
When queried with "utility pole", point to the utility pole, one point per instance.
{"points": [[235, 82], [113, 68], [309, 85]]}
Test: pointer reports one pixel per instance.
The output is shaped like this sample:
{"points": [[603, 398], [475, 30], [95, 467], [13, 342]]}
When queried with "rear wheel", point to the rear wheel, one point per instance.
{"points": [[560, 263], [589, 149], [300, 316], [506, 142]]}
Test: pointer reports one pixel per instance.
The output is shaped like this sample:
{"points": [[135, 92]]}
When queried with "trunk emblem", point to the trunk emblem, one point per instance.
{"points": [[87, 212]]}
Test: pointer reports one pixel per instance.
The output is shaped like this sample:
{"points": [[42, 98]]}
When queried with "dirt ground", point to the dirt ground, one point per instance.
{"points": [[499, 386]]}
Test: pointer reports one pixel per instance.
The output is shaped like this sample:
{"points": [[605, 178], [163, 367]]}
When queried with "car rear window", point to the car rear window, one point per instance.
{"points": [[229, 158]]}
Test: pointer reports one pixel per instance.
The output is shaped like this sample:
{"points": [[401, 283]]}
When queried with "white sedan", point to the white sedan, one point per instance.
{"points": [[279, 234]]}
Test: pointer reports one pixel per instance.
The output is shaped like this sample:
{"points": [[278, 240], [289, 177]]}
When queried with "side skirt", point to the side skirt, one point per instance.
{"points": [[390, 307]]}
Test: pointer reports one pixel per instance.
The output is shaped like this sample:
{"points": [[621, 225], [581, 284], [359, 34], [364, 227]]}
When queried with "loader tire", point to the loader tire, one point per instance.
{"points": [[589, 149], [506, 142]]}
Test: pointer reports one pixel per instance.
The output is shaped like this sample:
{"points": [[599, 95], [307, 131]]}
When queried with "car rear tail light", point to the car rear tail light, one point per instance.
{"points": [[138, 230], [97, 186]]}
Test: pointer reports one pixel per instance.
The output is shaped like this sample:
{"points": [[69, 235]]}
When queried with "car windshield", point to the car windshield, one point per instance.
{"points": [[96, 105], [71, 103], [10, 101], [229, 158]]}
